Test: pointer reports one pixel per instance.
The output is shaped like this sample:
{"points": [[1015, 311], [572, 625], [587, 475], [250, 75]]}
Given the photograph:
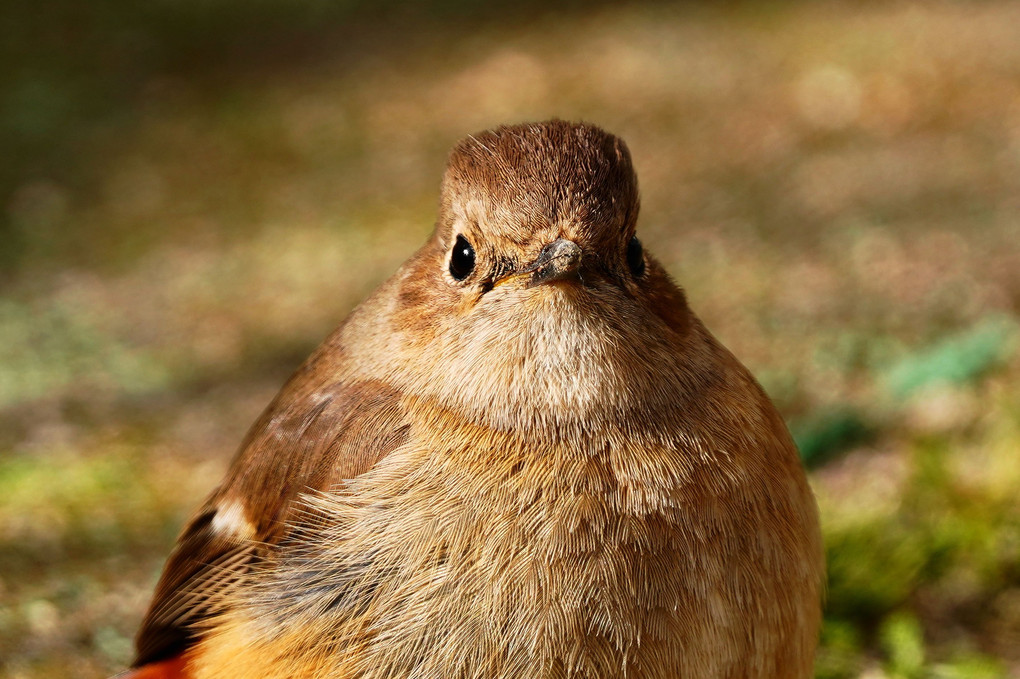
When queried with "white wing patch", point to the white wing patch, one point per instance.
{"points": [[230, 521]]}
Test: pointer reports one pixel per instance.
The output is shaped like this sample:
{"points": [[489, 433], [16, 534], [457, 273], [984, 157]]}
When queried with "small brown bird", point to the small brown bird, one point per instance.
{"points": [[522, 456]]}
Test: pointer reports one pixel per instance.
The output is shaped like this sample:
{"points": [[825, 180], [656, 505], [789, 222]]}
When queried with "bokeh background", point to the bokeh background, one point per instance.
{"points": [[194, 192]]}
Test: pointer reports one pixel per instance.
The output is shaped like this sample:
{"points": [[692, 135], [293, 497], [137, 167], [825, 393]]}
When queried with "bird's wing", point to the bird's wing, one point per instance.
{"points": [[313, 435]]}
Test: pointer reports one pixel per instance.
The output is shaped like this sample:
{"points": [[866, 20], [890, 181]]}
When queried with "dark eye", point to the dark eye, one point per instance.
{"points": [[462, 259], [635, 257]]}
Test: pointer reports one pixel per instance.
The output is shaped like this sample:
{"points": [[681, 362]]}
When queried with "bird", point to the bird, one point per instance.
{"points": [[523, 455]]}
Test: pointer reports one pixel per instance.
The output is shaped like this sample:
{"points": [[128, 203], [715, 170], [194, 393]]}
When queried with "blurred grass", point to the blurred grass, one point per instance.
{"points": [[195, 193]]}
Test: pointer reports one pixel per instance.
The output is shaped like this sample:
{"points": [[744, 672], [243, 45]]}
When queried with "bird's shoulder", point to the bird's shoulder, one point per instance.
{"points": [[320, 430]]}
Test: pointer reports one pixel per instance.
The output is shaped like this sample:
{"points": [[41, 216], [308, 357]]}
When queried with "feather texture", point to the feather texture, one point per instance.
{"points": [[490, 475]]}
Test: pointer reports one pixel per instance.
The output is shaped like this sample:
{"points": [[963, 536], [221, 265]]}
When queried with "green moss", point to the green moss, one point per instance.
{"points": [[873, 569], [840, 650], [970, 666], [958, 359], [47, 349], [902, 641], [823, 435], [80, 505]]}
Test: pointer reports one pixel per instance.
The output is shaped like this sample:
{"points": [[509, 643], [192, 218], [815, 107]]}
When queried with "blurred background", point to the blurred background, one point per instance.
{"points": [[193, 193]]}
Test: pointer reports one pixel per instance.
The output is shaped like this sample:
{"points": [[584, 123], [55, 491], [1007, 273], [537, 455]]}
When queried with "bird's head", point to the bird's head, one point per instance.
{"points": [[538, 203], [534, 300]]}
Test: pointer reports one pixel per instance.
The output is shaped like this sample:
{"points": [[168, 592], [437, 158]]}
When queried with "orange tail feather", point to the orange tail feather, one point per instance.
{"points": [[174, 668]]}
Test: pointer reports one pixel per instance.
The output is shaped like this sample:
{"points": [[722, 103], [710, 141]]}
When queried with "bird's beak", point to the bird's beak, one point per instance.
{"points": [[557, 260]]}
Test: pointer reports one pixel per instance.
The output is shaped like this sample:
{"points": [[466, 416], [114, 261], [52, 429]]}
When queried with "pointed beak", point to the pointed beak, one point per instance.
{"points": [[558, 260]]}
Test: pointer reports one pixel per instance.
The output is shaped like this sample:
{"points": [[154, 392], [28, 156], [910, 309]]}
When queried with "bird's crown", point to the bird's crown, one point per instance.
{"points": [[511, 191]]}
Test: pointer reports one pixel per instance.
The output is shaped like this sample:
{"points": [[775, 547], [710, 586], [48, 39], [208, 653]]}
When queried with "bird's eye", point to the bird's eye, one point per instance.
{"points": [[635, 257], [462, 259]]}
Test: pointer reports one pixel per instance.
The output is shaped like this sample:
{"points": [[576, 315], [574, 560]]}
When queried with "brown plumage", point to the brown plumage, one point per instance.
{"points": [[522, 456]]}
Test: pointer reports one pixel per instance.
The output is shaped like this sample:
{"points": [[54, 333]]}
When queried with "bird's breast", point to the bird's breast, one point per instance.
{"points": [[479, 555]]}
